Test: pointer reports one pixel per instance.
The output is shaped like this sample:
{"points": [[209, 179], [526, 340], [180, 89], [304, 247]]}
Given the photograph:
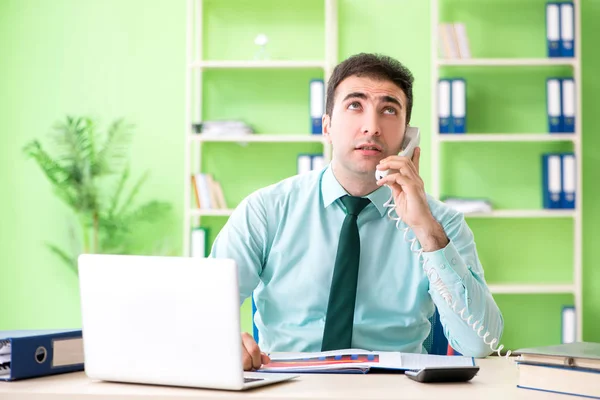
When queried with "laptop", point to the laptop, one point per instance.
{"points": [[164, 321]]}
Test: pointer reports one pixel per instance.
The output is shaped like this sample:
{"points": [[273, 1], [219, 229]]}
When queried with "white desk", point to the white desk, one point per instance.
{"points": [[497, 379]]}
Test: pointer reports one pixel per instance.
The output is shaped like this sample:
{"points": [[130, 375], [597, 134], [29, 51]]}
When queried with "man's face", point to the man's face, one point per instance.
{"points": [[367, 124]]}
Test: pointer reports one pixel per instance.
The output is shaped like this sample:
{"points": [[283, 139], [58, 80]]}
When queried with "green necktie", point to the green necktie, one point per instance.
{"points": [[340, 310]]}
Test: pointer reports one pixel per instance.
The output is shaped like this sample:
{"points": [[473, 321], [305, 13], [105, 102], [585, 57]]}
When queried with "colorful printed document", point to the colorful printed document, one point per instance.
{"points": [[358, 361]]}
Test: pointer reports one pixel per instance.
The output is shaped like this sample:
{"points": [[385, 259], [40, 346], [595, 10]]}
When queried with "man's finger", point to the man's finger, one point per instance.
{"points": [[253, 350], [246, 360], [265, 358], [416, 158]]}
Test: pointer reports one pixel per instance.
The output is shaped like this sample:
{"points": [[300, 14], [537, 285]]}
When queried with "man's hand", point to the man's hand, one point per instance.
{"points": [[408, 191], [252, 358]]}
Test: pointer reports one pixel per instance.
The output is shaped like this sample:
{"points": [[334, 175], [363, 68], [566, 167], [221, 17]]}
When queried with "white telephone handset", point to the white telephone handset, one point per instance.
{"points": [[410, 142]]}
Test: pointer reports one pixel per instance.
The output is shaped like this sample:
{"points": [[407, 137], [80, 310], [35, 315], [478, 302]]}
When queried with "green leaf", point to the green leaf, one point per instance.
{"points": [[71, 261]]}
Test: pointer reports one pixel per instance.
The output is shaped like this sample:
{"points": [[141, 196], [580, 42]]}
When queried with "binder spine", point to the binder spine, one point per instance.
{"points": [[551, 184], [553, 29], [569, 178], [554, 108], [444, 106], [568, 105], [567, 30], [317, 105], [35, 356], [459, 106]]}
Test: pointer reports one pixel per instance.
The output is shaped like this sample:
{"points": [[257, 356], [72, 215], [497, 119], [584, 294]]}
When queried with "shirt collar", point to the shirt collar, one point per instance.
{"points": [[331, 190]]}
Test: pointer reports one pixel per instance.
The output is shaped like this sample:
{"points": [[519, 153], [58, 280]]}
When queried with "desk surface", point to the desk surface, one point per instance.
{"points": [[497, 379]]}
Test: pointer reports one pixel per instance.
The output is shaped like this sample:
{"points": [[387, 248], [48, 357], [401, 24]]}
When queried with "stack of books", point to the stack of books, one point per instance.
{"points": [[208, 192], [572, 368], [453, 41]]}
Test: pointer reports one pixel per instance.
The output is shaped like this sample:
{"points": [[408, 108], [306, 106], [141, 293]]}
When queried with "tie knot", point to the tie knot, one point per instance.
{"points": [[354, 205]]}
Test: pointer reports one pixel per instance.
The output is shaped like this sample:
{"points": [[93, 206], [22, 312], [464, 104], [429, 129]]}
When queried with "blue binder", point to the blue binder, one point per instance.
{"points": [[553, 29], [554, 105], [32, 353], [317, 105], [568, 104], [551, 180], [569, 180], [445, 105], [459, 105], [567, 30]]}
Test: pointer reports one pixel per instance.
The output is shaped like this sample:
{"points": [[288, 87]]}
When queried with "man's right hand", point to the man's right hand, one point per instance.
{"points": [[252, 358]]}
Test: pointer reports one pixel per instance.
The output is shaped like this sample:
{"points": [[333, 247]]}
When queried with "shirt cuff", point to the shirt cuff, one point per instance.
{"points": [[448, 264]]}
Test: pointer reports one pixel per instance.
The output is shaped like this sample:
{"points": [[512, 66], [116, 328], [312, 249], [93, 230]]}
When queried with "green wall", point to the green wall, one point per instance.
{"points": [[114, 59]]}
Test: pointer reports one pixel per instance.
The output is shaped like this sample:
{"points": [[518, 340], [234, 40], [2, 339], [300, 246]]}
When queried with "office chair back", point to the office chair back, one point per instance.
{"points": [[436, 342]]}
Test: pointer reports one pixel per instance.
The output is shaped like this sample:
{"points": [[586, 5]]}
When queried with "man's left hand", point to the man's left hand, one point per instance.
{"points": [[408, 191]]}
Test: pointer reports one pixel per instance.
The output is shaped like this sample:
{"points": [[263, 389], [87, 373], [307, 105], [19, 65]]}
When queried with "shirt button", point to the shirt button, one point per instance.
{"points": [[443, 266], [454, 261], [469, 300]]}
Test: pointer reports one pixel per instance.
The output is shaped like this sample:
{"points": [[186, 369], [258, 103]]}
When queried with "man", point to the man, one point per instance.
{"points": [[328, 269]]}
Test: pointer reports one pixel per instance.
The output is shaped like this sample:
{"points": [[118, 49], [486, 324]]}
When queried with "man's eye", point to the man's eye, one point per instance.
{"points": [[354, 105], [389, 110]]}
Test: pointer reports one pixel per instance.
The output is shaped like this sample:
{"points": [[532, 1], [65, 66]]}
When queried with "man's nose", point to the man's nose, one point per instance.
{"points": [[370, 124]]}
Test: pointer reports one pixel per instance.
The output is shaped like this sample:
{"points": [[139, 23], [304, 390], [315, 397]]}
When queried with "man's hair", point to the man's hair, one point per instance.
{"points": [[375, 66]]}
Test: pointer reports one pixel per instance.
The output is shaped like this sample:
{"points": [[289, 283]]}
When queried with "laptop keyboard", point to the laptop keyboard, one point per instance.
{"points": [[247, 380]]}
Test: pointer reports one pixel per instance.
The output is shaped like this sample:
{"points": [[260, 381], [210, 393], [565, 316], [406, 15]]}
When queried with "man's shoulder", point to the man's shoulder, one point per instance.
{"points": [[305, 184]]}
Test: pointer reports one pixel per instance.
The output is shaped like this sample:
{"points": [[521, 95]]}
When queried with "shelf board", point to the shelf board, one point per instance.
{"points": [[210, 213], [524, 214], [214, 64], [507, 62], [508, 137], [263, 138], [533, 288]]}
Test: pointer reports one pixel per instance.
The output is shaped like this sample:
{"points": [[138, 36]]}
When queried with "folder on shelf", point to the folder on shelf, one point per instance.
{"points": [[304, 163], [198, 242], [317, 162], [569, 181], [568, 325], [203, 191], [567, 30], [568, 104], [33, 353], [317, 105], [552, 185], [553, 29], [554, 107], [448, 41], [459, 105], [462, 40], [444, 93]]}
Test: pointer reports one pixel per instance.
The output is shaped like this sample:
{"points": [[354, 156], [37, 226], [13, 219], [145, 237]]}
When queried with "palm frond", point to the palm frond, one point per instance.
{"points": [[58, 176], [113, 154], [114, 203], [70, 260], [133, 194]]}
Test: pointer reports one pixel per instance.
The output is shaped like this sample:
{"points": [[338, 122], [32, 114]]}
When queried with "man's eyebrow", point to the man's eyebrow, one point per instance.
{"points": [[356, 95], [391, 99]]}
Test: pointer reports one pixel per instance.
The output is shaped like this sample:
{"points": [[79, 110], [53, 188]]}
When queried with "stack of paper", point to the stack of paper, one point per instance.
{"points": [[224, 128], [468, 206], [358, 361]]}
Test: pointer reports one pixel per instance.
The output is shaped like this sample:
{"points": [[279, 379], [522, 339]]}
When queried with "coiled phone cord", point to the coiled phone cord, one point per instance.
{"points": [[437, 283]]}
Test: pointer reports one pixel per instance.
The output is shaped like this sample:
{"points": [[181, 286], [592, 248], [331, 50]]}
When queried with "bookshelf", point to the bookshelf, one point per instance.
{"points": [[440, 155], [201, 63]]}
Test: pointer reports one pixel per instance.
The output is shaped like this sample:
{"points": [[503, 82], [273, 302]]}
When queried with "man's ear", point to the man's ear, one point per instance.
{"points": [[326, 122]]}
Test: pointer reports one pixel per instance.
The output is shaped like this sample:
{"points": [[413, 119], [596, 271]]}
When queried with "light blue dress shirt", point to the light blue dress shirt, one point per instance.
{"points": [[284, 239]]}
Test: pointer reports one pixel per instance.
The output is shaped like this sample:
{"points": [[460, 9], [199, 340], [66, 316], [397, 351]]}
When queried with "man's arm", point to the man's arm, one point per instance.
{"points": [[244, 239], [455, 273]]}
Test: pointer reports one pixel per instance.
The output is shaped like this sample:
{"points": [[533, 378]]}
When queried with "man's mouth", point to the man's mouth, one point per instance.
{"points": [[369, 149]]}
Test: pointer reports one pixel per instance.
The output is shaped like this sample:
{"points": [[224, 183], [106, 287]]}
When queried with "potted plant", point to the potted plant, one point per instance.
{"points": [[89, 172]]}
